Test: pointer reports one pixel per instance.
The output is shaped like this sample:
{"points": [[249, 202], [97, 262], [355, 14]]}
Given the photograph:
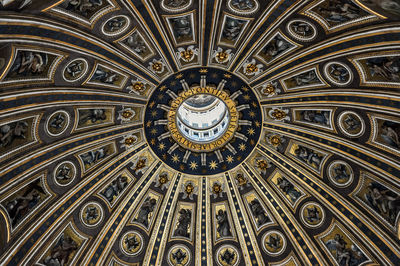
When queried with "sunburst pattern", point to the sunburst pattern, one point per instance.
{"points": [[91, 173]]}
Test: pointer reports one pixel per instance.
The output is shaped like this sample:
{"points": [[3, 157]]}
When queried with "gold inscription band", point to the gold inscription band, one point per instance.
{"points": [[215, 144]]}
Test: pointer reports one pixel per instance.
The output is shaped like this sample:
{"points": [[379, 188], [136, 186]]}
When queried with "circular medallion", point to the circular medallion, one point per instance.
{"points": [[302, 30], [203, 121], [351, 124], [340, 173], [57, 123], [179, 255], [75, 70], [338, 73], [227, 255], [312, 214], [131, 243], [64, 173], [115, 25], [92, 214], [274, 243]]}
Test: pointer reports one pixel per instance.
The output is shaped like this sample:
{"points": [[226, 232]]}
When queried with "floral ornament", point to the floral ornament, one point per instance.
{"points": [[137, 87], [262, 165], [189, 189], [251, 68], [140, 165], [187, 54], [216, 189], [270, 89], [279, 114], [157, 66], [241, 180], [222, 56], [275, 140], [126, 115], [162, 181], [128, 141]]}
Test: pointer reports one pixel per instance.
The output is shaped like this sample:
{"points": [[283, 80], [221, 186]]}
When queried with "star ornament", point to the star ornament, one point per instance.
{"points": [[242, 146], [213, 165], [229, 159], [193, 165], [251, 131], [175, 158], [161, 146], [252, 114]]}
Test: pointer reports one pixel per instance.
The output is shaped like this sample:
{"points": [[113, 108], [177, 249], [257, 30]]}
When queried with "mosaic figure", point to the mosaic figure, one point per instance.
{"points": [[345, 255], [146, 211], [113, 190], [275, 48], [24, 201], [184, 222], [288, 189], [61, 252], [92, 157], [115, 24], [309, 156], [182, 28], [223, 226], [29, 64], [232, 29], [339, 11], [384, 68], [105, 76], [321, 117], [9, 133], [84, 8], [92, 115], [75, 70], [258, 212]]}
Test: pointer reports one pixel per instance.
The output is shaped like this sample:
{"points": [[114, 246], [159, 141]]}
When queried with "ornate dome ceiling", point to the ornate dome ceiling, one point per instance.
{"points": [[298, 166]]}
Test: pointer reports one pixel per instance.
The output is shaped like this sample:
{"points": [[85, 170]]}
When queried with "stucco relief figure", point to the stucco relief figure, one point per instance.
{"points": [[61, 252], [84, 8], [92, 157], [288, 189], [223, 226], [316, 116], [146, 211], [28, 64], [313, 215], [75, 70], [182, 27], [57, 121], [232, 28], [309, 156], [15, 5], [275, 48], [92, 116], [24, 202], [389, 133], [64, 174], [383, 200], [179, 256], [106, 76], [351, 123], [339, 73], [339, 11], [258, 212], [243, 4], [132, 243], [115, 24], [390, 6], [384, 68], [12, 131], [136, 43], [306, 78], [303, 29], [176, 3], [184, 221], [115, 188], [345, 255], [228, 256]]}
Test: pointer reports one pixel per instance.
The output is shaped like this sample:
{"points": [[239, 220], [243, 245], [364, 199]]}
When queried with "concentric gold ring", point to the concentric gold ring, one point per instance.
{"points": [[214, 144]]}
